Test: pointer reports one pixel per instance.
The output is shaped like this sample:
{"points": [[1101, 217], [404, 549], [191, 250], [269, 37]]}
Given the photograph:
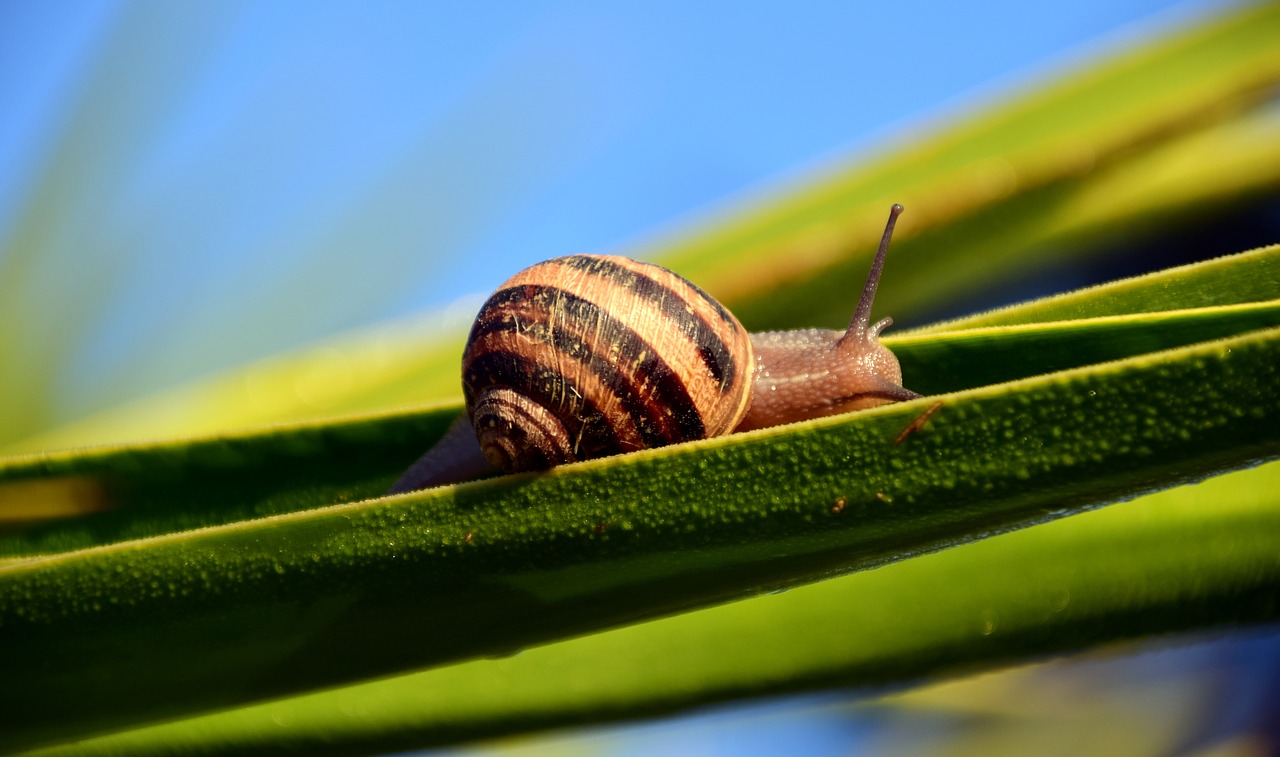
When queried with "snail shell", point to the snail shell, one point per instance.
{"points": [[588, 355]]}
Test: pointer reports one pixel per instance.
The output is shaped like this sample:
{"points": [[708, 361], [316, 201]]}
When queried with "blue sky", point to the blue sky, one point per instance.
{"points": [[194, 185]]}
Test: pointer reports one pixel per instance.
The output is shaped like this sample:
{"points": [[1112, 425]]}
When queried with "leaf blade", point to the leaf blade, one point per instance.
{"points": [[932, 616], [442, 575]]}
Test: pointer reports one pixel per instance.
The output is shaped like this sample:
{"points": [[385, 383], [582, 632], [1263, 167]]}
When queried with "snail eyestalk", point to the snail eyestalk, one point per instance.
{"points": [[860, 325]]}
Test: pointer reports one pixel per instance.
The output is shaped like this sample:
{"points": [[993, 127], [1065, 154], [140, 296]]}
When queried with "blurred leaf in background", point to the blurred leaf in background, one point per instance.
{"points": [[189, 183]]}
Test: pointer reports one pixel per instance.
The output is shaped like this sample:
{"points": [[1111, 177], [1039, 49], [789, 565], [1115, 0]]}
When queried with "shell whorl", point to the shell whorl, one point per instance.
{"points": [[586, 356], [517, 433]]}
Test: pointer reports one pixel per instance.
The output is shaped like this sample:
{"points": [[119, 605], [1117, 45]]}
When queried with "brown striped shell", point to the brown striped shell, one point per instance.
{"points": [[589, 355]]}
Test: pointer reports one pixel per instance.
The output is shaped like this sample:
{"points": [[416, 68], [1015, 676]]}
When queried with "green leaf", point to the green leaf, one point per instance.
{"points": [[949, 361], [1192, 557], [1210, 283], [214, 617]]}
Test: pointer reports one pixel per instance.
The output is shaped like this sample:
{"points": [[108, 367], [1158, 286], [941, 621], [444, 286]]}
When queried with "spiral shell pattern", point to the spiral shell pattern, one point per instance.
{"points": [[586, 356]]}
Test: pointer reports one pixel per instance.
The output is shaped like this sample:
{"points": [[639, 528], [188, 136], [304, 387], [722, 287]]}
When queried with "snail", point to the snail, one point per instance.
{"points": [[585, 356]]}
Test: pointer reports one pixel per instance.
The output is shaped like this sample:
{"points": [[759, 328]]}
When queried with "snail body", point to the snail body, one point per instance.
{"points": [[587, 356]]}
